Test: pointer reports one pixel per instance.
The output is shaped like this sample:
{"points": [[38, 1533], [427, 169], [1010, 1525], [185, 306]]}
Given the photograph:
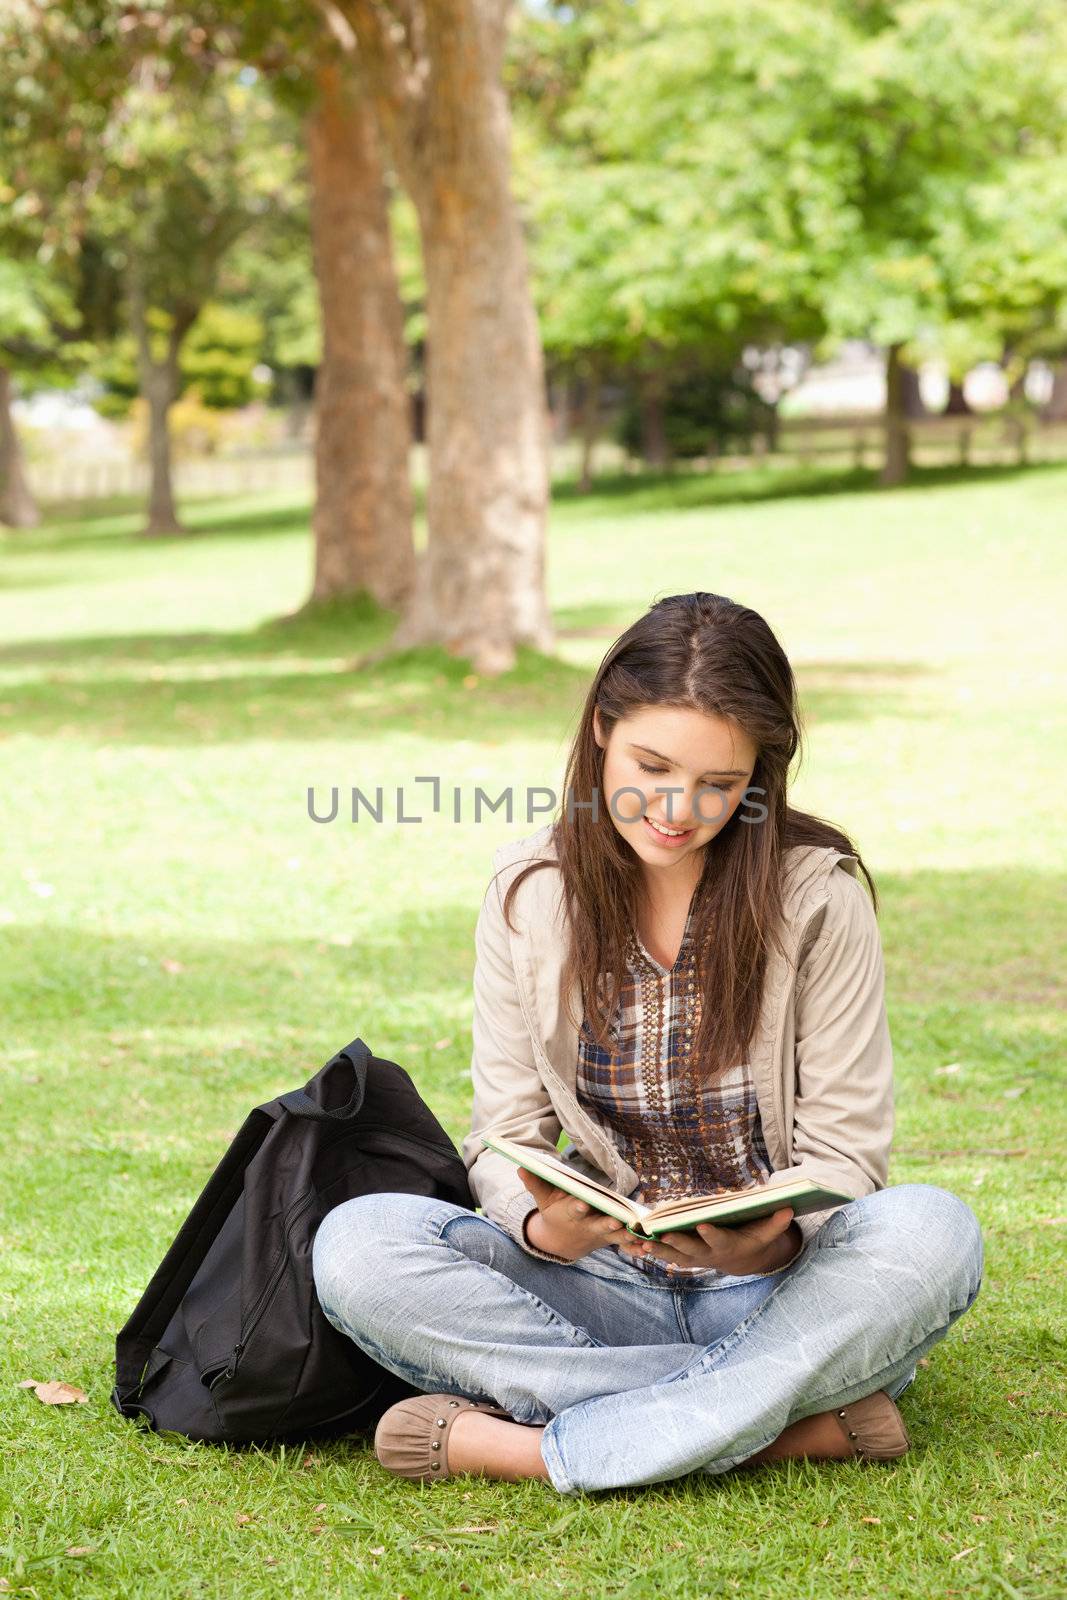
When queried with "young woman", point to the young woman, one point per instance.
{"points": [[684, 974]]}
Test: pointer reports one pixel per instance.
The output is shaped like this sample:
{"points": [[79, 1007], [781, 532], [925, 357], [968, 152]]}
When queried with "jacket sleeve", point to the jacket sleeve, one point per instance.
{"points": [[509, 1095], [843, 1109]]}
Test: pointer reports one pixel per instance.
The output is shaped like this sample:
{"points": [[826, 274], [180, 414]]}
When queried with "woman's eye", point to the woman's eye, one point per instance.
{"points": [[723, 788]]}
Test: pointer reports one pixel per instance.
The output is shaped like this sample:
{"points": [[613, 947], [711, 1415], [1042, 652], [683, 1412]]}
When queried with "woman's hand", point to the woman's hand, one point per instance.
{"points": [[753, 1247], [564, 1225]]}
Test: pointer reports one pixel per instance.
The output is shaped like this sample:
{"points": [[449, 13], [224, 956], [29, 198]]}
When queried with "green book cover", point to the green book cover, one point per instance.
{"points": [[725, 1210]]}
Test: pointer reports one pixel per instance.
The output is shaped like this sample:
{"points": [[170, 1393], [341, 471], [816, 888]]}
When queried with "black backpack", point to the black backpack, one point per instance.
{"points": [[229, 1342]]}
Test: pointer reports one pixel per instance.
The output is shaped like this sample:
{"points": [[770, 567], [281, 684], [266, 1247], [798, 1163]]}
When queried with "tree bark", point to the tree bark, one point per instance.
{"points": [[956, 405], [362, 521], [655, 447], [589, 428], [914, 404], [1055, 408], [18, 508], [772, 426], [159, 385], [897, 459], [436, 77]]}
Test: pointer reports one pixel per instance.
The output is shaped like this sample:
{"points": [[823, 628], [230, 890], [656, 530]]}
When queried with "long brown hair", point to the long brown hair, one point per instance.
{"points": [[706, 653]]}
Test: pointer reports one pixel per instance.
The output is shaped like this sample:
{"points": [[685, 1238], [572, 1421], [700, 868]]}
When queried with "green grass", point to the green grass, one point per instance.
{"points": [[179, 942]]}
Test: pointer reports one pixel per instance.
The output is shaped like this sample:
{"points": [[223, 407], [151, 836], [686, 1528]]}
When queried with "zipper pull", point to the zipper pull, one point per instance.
{"points": [[234, 1359]]}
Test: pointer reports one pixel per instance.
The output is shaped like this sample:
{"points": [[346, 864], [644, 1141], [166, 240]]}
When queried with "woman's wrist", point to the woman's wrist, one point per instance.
{"points": [[533, 1232]]}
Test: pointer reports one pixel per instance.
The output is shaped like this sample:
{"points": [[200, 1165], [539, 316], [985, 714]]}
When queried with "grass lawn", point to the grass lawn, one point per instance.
{"points": [[179, 942]]}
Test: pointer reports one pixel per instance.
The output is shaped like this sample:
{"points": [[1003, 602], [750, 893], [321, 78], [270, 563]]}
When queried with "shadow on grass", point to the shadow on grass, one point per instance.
{"points": [[219, 688], [175, 983], [300, 677], [990, 937], [687, 491], [120, 519], [103, 524]]}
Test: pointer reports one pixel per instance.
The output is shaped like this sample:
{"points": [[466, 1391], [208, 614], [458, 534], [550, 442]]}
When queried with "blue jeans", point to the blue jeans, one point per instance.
{"points": [[636, 1381]]}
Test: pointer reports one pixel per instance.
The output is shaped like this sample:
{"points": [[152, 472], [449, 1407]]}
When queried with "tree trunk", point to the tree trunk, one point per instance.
{"points": [[362, 520], [481, 588], [1055, 408], [956, 405], [160, 390], [914, 404], [655, 447], [589, 426], [159, 386], [895, 466], [18, 508], [772, 426]]}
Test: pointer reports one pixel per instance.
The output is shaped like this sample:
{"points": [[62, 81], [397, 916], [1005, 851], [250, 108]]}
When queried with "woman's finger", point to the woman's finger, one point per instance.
{"points": [[748, 1234], [686, 1244], [768, 1228]]}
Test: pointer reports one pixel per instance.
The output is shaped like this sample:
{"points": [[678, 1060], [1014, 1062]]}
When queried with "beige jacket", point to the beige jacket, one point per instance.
{"points": [[821, 1055]]}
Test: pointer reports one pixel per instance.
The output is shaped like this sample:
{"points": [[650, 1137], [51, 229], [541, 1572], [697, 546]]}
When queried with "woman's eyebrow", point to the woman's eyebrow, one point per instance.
{"points": [[731, 772]]}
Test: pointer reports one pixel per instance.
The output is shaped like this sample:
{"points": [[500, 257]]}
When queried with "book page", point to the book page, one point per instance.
{"points": [[547, 1166]]}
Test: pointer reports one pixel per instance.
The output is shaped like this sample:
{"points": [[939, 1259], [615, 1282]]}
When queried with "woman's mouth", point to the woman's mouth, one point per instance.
{"points": [[669, 838]]}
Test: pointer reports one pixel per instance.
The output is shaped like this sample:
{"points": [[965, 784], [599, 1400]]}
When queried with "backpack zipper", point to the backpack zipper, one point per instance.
{"points": [[260, 1306], [268, 1289]]}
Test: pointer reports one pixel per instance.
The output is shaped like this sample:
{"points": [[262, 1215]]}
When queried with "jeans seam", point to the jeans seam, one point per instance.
{"points": [[554, 1318]]}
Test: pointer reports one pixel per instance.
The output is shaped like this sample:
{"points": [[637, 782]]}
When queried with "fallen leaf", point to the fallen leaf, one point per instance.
{"points": [[55, 1393], [319, 1509], [377, 1549], [1013, 1094], [976, 1518], [871, 1519], [80, 1549], [242, 1517], [949, 1071], [971, 1548], [170, 965]]}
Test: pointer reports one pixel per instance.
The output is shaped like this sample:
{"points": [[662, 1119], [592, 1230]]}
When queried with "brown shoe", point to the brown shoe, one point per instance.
{"points": [[874, 1427], [412, 1436]]}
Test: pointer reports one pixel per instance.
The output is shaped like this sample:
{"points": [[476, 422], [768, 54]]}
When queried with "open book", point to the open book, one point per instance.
{"points": [[726, 1210]]}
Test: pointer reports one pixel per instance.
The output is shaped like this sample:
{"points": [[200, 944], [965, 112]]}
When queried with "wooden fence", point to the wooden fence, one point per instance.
{"points": [[842, 441]]}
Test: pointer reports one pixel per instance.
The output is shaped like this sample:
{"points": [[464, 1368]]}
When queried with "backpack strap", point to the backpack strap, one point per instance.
{"points": [[301, 1104]]}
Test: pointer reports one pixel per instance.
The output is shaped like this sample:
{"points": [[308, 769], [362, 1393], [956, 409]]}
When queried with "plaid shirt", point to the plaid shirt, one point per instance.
{"points": [[681, 1137]]}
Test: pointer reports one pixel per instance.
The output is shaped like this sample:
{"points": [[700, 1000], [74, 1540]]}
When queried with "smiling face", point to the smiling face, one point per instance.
{"points": [[706, 760]]}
